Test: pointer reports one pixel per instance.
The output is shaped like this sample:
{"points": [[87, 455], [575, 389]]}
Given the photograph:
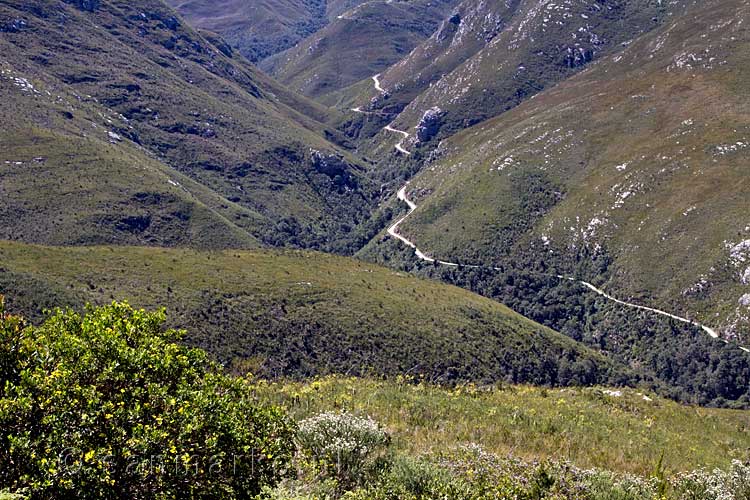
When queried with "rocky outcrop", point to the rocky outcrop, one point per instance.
{"points": [[218, 42], [576, 57], [13, 26], [429, 125], [329, 164]]}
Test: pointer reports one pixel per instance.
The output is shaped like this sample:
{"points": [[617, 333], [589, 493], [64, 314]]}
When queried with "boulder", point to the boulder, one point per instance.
{"points": [[333, 166], [429, 125]]}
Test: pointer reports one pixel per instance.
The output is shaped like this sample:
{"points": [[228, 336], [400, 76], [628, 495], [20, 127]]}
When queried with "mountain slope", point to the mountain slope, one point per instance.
{"points": [[67, 178], [260, 29], [300, 314], [637, 163], [192, 105], [462, 34], [490, 56], [357, 44]]}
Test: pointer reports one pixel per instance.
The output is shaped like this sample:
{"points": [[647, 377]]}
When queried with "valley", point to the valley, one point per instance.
{"points": [[364, 40], [421, 255], [375, 250]]}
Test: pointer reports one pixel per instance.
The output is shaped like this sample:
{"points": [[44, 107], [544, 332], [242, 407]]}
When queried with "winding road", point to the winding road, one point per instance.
{"points": [[393, 231], [421, 255], [400, 144], [405, 135]]}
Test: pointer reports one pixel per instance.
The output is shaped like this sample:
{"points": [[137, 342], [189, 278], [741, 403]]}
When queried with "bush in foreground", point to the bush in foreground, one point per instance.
{"points": [[342, 445], [108, 405]]}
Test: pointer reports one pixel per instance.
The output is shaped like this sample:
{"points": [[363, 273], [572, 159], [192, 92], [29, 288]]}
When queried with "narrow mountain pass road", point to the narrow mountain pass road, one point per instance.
{"points": [[400, 144], [405, 135], [393, 231]]}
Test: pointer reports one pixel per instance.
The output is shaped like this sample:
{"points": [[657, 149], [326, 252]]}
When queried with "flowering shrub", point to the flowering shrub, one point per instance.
{"points": [[343, 445], [470, 473], [109, 405], [717, 485]]}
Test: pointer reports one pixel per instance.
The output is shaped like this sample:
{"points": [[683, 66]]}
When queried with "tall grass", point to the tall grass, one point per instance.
{"points": [[589, 427]]}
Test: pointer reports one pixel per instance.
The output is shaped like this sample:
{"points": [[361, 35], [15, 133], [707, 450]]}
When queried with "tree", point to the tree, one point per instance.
{"points": [[109, 405]]}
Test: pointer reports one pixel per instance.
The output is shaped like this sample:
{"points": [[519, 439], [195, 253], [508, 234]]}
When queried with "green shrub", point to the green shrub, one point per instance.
{"points": [[344, 446], [469, 473], [109, 405], [414, 479], [417, 478], [605, 485], [303, 489]]}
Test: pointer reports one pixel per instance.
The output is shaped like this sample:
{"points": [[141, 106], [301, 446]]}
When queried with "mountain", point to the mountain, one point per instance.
{"points": [[469, 28], [124, 126], [301, 314], [489, 56], [356, 45], [131, 87], [460, 249], [630, 175], [260, 29]]}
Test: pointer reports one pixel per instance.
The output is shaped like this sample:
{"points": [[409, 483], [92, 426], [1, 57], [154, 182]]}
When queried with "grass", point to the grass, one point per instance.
{"points": [[301, 314], [587, 427], [64, 199]]}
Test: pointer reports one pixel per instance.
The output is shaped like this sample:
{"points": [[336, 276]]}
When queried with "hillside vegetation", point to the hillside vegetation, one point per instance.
{"points": [[619, 430], [260, 29], [488, 57], [301, 314], [462, 250], [107, 403], [518, 442], [533, 47], [129, 80], [621, 176], [356, 45], [460, 35], [627, 163], [54, 191]]}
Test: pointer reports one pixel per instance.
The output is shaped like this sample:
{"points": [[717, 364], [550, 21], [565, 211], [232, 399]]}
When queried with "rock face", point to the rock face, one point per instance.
{"points": [[576, 57], [429, 125], [218, 42]]}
